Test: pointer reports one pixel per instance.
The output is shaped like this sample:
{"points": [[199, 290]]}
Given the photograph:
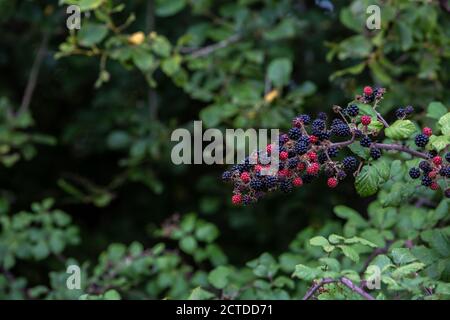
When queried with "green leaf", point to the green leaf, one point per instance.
{"points": [[436, 110], [143, 59], [444, 122], [319, 241], [402, 255], [219, 277], [188, 244], [306, 273], [439, 142], [350, 215], [349, 252], [361, 241], [171, 65], [400, 129], [279, 71], [200, 294], [407, 269], [91, 34], [166, 8], [207, 232], [112, 295], [86, 5], [366, 182]]}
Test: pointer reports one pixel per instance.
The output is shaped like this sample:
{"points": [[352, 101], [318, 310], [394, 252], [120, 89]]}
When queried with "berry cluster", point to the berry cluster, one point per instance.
{"points": [[310, 147]]}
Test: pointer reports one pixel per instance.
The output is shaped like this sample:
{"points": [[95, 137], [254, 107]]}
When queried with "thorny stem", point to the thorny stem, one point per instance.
{"points": [[345, 281]]}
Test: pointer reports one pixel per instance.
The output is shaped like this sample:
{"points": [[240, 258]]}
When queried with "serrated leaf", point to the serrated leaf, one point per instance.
{"points": [[349, 252], [219, 277], [407, 269], [279, 71], [366, 182], [361, 241], [200, 294], [400, 129], [349, 214], [402, 255], [444, 123], [435, 110], [319, 241], [91, 34], [439, 142], [306, 273]]}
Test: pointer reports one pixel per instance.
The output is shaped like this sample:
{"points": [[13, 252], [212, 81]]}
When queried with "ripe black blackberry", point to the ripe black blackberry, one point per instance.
{"points": [[318, 125], [409, 110], [336, 122], [375, 153], [365, 141], [271, 182], [301, 147], [352, 110], [425, 166], [286, 186], [257, 184], [295, 133], [432, 153], [358, 133], [293, 162], [421, 140], [333, 152], [226, 176], [341, 175], [414, 173], [447, 156], [308, 178], [304, 139], [447, 193], [322, 157], [426, 181], [445, 172], [306, 119], [341, 130], [400, 113], [350, 163], [322, 115], [246, 199], [324, 135]]}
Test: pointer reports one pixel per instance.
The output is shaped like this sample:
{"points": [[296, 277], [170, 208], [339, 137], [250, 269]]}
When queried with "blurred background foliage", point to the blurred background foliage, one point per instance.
{"points": [[95, 134]]}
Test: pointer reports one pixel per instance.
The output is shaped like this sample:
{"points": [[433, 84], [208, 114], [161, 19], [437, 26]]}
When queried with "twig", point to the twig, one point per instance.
{"points": [[401, 148], [380, 117], [34, 73], [214, 47], [345, 281]]}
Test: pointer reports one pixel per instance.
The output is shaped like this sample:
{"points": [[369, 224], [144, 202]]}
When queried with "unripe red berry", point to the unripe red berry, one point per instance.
{"points": [[258, 168], [269, 148], [313, 139], [297, 182], [236, 199], [366, 120], [432, 174], [437, 160], [245, 177], [427, 131], [312, 155], [313, 168], [284, 173], [332, 182], [283, 155], [368, 90], [434, 186], [301, 166]]}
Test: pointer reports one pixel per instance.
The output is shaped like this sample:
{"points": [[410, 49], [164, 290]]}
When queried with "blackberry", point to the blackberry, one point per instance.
{"points": [[365, 141], [246, 199], [322, 158], [375, 153], [226, 176], [409, 110], [352, 110], [322, 115], [426, 181], [271, 182], [358, 133], [400, 113], [329, 172], [414, 173], [341, 175], [306, 119], [447, 156], [286, 186], [256, 184], [293, 162], [341, 130], [333, 152], [301, 148], [425, 166], [304, 139], [284, 138], [432, 153], [336, 122], [324, 135], [350, 163], [318, 125], [421, 140], [445, 172], [295, 133]]}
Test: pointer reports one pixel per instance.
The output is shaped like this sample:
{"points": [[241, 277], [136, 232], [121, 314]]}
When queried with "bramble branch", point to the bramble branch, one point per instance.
{"points": [[345, 281]]}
